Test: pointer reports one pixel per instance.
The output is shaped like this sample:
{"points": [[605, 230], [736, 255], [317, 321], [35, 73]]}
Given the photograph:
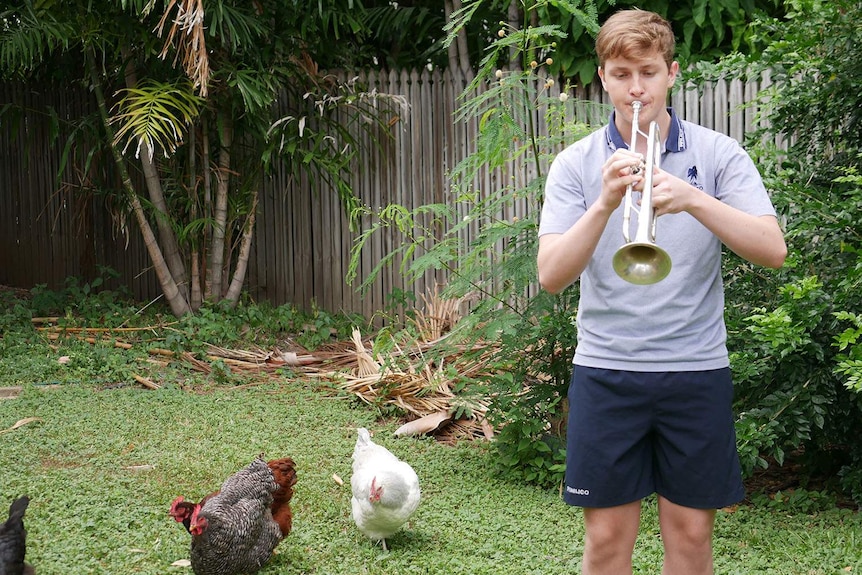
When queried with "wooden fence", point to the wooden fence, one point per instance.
{"points": [[302, 242]]}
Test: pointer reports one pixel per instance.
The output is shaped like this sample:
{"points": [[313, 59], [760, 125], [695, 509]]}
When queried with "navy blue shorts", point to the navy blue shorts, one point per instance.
{"points": [[631, 434]]}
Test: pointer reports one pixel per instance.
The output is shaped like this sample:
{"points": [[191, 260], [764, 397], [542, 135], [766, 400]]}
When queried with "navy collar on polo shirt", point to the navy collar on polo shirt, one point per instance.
{"points": [[675, 139]]}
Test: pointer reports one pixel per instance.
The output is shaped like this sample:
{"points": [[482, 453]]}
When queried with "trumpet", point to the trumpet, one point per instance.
{"points": [[641, 261]]}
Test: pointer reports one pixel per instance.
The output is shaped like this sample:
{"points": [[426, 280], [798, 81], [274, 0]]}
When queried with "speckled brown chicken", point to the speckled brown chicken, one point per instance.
{"points": [[235, 530]]}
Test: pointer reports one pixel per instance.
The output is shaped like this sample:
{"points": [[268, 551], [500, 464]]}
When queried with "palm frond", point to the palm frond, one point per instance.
{"points": [[155, 114], [26, 39], [187, 32]]}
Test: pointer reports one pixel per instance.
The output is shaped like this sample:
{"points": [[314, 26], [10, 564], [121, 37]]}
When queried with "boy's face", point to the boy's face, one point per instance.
{"points": [[647, 79]]}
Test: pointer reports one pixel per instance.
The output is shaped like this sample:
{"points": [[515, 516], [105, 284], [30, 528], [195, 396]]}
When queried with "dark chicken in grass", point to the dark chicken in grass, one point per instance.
{"points": [[235, 530], [13, 540]]}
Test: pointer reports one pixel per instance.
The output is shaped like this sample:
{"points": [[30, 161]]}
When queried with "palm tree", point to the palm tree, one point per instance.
{"points": [[178, 84]]}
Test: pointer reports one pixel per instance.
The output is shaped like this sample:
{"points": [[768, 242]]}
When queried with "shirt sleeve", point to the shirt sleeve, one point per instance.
{"points": [[738, 182], [564, 200]]}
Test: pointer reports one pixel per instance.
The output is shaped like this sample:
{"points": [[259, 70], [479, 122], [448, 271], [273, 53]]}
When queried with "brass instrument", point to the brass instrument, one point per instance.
{"points": [[641, 261]]}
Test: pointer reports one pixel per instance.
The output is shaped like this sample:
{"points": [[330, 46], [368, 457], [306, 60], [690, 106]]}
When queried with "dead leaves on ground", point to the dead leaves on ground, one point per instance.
{"points": [[20, 423], [420, 389]]}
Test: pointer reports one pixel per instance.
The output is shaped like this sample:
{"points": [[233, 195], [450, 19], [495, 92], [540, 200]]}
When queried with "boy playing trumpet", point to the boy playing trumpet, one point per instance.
{"points": [[651, 391]]}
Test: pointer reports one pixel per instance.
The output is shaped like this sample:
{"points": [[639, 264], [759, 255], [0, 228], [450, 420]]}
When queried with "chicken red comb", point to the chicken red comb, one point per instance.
{"points": [[174, 504]]}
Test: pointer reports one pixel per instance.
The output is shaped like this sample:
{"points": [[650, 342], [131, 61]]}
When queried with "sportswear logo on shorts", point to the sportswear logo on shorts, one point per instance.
{"points": [[577, 490]]}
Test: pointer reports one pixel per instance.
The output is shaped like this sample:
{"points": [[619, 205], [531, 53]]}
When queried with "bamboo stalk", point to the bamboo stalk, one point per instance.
{"points": [[145, 382]]}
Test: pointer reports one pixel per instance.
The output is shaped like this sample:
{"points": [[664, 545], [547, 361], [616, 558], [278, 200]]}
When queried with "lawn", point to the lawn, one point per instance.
{"points": [[102, 456], [102, 464]]}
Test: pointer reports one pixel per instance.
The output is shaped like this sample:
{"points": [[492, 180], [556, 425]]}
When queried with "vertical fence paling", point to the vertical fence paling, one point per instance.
{"points": [[302, 244]]}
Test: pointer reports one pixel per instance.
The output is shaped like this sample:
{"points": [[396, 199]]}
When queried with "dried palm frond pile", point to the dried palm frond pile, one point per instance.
{"points": [[422, 390], [439, 317]]}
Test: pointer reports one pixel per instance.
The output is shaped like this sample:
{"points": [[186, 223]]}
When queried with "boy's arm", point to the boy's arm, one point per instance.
{"points": [[563, 257], [758, 239]]}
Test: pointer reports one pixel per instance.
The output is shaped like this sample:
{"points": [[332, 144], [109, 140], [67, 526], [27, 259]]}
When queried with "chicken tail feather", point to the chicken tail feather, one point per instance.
{"points": [[284, 471], [17, 509]]}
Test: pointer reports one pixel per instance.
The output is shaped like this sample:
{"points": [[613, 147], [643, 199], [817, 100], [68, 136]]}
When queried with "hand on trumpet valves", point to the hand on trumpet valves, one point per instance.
{"points": [[624, 168], [672, 195]]}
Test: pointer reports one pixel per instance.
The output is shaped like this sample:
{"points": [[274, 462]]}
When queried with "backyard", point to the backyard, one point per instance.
{"points": [[102, 455]]}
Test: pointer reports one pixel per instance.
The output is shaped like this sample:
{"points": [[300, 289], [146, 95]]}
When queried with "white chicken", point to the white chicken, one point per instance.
{"points": [[385, 489]]}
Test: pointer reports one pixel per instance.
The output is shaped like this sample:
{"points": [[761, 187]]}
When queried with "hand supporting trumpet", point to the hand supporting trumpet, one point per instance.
{"points": [[670, 194]]}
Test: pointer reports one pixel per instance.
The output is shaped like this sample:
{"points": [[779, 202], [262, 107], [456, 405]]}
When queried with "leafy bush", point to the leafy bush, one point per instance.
{"points": [[796, 332], [93, 302], [533, 334], [260, 324], [797, 501], [782, 325]]}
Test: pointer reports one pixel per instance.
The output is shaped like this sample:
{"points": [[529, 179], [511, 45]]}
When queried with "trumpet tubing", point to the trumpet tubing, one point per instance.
{"points": [[641, 261]]}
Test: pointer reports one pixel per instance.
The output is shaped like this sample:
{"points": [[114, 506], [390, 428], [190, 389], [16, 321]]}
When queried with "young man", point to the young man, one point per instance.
{"points": [[650, 396]]}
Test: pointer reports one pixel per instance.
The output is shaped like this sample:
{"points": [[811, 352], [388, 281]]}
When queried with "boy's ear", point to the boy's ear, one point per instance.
{"points": [[673, 73]]}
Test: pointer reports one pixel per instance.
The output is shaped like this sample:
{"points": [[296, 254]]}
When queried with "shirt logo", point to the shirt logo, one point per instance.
{"points": [[692, 178]]}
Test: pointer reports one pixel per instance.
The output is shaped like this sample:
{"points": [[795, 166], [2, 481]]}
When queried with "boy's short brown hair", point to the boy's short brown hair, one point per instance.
{"points": [[633, 34]]}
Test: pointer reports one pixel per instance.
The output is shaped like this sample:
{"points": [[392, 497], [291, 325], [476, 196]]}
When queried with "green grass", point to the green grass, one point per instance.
{"points": [[91, 514], [107, 457]]}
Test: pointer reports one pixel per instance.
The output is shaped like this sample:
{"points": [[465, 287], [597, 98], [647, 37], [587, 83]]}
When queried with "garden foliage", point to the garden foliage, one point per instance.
{"points": [[532, 332], [795, 334], [798, 354]]}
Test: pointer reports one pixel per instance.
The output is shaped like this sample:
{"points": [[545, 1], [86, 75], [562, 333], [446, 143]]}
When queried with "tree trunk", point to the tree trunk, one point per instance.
{"points": [[178, 304], [238, 279], [463, 51], [459, 55], [167, 238], [217, 247], [208, 204], [195, 294], [514, 17]]}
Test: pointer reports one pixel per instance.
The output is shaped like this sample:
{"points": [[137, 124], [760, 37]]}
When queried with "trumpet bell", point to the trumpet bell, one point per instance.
{"points": [[641, 263]]}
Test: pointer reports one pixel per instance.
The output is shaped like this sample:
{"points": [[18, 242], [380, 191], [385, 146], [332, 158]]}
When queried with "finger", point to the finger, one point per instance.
{"points": [[661, 203], [628, 166]]}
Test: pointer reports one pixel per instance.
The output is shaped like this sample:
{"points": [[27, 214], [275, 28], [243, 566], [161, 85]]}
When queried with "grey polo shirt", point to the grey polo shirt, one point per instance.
{"points": [[678, 323]]}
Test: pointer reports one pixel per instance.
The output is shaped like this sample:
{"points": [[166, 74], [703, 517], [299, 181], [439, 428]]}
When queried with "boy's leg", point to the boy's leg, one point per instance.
{"points": [[687, 537], [610, 539]]}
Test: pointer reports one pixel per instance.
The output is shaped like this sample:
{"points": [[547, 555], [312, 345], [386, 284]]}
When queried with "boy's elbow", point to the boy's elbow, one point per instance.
{"points": [[780, 257], [550, 284], [777, 257]]}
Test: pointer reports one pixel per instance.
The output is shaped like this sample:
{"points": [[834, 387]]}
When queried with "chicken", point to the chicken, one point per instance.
{"points": [[182, 510], [13, 540], [235, 529], [385, 489]]}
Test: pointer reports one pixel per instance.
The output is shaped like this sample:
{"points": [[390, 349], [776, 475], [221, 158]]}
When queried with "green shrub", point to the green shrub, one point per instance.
{"points": [[531, 332], [795, 332]]}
